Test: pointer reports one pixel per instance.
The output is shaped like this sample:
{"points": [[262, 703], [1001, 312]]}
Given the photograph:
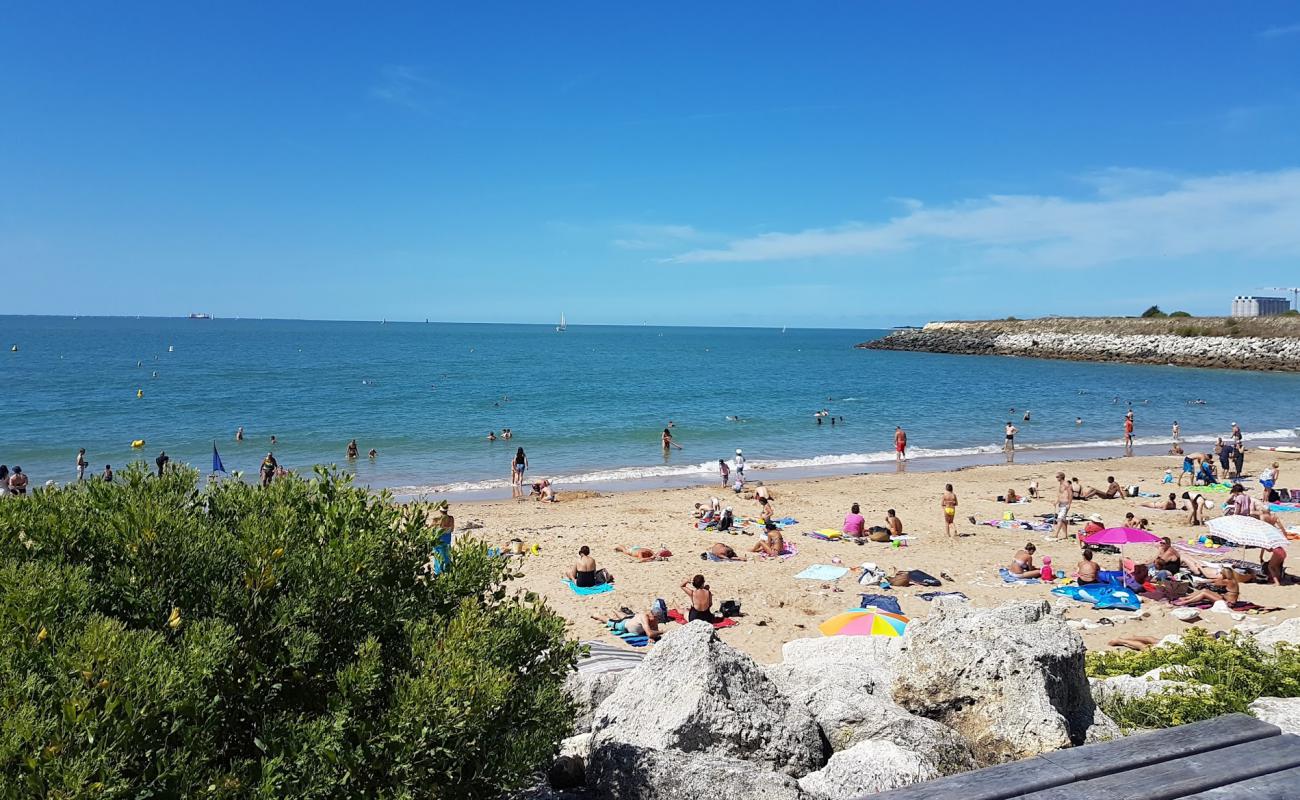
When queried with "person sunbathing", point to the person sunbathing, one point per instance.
{"points": [[642, 623], [1225, 587], [894, 524], [584, 574], [722, 552], [1138, 643], [771, 542], [1169, 504], [1112, 491], [701, 599], [637, 554], [1087, 570], [1022, 564], [1167, 559], [1011, 496]]}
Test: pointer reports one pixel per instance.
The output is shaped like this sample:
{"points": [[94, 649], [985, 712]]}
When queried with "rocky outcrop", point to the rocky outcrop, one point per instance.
{"points": [[1190, 342], [695, 694], [1010, 680], [1125, 688], [875, 765], [589, 690], [1285, 632], [628, 772], [1283, 712], [860, 663]]}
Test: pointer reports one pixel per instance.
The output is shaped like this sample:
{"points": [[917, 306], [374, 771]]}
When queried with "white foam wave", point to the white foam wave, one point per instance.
{"points": [[709, 468]]}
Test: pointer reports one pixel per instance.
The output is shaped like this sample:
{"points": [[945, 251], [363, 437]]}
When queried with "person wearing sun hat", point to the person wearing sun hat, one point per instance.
{"points": [[740, 464], [1094, 525]]}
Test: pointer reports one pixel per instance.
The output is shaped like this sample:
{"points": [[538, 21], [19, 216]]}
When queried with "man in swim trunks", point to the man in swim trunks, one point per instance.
{"points": [[900, 443], [701, 599], [1064, 496], [1011, 432], [949, 504], [894, 524], [1128, 430]]}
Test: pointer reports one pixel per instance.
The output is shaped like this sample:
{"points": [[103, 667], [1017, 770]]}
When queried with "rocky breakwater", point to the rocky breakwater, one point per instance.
{"points": [[838, 718], [1193, 343]]}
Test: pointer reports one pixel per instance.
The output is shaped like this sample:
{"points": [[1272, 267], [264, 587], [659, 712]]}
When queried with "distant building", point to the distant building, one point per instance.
{"points": [[1260, 306]]}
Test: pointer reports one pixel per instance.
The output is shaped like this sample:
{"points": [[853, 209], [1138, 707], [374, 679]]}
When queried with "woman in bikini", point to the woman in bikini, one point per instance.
{"points": [[1022, 564], [1224, 587]]}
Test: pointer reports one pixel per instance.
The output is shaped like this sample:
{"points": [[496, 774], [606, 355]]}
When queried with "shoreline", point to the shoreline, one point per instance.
{"points": [[779, 607]]}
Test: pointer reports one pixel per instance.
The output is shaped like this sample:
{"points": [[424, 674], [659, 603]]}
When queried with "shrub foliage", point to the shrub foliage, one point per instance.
{"points": [[1236, 669], [162, 640]]}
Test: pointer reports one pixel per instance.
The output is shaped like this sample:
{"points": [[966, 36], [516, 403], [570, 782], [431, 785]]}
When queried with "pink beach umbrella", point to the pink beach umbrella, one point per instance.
{"points": [[1121, 536]]}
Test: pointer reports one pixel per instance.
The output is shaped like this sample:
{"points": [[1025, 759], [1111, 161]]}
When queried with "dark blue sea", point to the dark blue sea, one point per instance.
{"points": [[588, 405]]}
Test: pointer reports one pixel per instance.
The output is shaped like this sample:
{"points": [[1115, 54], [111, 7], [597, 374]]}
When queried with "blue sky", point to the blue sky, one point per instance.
{"points": [[810, 164]]}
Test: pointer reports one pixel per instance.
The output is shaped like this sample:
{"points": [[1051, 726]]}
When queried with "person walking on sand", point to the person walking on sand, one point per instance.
{"points": [[82, 463], [1010, 444], [1064, 497], [949, 503], [900, 443], [725, 471], [1176, 432], [740, 466], [517, 467]]}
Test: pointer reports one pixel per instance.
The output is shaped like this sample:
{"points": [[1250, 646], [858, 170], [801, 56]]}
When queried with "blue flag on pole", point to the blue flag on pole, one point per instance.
{"points": [[217, 466]]}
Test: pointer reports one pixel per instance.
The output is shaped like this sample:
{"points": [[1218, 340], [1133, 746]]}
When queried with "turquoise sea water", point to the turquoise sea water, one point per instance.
{"points": [[588, 405]]}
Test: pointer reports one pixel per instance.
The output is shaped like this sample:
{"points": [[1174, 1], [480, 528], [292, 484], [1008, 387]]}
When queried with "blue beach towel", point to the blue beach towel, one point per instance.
{"points": [[585, 590], [881, 601], [822, 572], [1101, 596], [1007, 577]]}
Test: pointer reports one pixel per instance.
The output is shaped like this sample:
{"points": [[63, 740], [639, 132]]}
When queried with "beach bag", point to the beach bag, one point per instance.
{"points": [[1174, 589], [660, 610], [729, 608], [900, 578], [1132, 491], [879, 535]]}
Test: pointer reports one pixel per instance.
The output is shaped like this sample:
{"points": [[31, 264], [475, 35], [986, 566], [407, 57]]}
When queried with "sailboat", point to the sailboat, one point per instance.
{"points": [[782, 329], [563, 326]]}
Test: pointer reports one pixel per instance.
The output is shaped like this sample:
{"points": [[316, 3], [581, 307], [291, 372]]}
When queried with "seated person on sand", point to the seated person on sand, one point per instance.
{"points": [[584, 574], [894, 524], [854, 523], [1093, 525], [727, 521], [1022, 564], [1076, 488], [1167, 558], [644, 624], [765, 511], [1224, 587], [701, 599], [1112, 491], [1033, 490], [638, 554], [1168, 504], [770, 542], [764, 492], [1240, 502], [706, 512], [544, 491], [722, 552], [1086, 571], [1011, 496]]}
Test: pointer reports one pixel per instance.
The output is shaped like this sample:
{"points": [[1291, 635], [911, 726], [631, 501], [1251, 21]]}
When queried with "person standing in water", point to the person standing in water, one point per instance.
{"points": [[352, 449], [1128, 430], [1010, 444], [1176, 432], [161, 461], [900, 443], [668, 442], [82, 463], [239, 434], [517, 467]]}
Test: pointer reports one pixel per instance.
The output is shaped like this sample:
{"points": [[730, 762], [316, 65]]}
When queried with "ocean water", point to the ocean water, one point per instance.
{"points": [[588, 405]]}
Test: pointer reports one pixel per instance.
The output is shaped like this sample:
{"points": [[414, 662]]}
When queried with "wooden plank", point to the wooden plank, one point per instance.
{"points": [[994, 783], [1133, 752], [1178, 777], [1284, 785]]}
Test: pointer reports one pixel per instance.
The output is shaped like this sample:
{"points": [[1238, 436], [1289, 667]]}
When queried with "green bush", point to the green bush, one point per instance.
{"points": [[1236, 668], [1179, 314], [162, 640], [1153, 311]]}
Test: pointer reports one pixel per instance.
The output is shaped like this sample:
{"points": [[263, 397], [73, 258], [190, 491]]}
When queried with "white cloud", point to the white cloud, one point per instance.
{"points": [[1279, 30], [656, 237], [1134, 214], [402, 86]]}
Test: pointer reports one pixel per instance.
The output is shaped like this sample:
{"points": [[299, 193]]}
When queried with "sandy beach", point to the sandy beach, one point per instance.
{"points": [[779, 607]]}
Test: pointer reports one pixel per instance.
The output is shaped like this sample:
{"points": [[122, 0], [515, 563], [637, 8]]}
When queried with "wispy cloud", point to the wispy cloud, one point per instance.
{"points": [[404, 86], [658, 237], [1243, 214], [1280, 30]]}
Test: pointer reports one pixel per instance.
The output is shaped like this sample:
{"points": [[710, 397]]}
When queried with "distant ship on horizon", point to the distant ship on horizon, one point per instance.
{"points": [[199, 315]]}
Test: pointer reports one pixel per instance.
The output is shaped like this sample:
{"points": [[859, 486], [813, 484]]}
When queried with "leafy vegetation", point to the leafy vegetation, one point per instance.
{"points": [[1236, 669], [1179, 314], [1153, 311], [162, 640]]}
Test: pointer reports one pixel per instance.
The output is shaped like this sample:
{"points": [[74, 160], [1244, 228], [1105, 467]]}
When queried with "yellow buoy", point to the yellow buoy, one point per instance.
{"points": [[139, 392], [137, 443]]}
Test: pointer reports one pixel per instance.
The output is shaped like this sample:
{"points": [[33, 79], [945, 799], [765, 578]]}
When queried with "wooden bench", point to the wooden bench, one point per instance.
{"points": [[1234, 757]]}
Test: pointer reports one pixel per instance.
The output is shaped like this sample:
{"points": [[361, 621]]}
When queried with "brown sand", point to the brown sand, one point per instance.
{"points": [[779, 608]]}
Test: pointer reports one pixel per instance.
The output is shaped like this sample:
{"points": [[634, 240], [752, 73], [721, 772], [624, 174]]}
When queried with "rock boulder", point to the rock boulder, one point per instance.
{"points": [[875, 765], [1287, 631], [1010, 680], [695, 694], [1283, 712], [628, 772]]}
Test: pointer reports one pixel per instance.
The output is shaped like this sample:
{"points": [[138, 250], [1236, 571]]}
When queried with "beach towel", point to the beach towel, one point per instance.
{"points": [[680, 618], [603, 657], [788, 551], [1198, 549], [923, 578], [822, 572], [881, 601], [1018, 524], [830, 534], [933, 595], [1284, 507], [586, 590], [1007, 577], [1241, 605]]}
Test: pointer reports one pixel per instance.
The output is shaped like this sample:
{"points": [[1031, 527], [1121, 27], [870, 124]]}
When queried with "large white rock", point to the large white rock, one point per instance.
{"points": [[861, 663], [627, 772], [875, 765], [588, 690], [1283, 712], [1121, 688], [695, 694], [1287, 631], [1010, 680]]}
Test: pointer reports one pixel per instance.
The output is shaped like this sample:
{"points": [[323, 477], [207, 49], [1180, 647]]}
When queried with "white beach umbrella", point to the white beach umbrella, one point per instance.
{"points": [[1245, 531]]}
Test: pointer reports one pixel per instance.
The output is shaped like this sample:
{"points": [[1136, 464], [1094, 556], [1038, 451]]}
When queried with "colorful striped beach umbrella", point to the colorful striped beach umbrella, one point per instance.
{"points": [[864, 622]]}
